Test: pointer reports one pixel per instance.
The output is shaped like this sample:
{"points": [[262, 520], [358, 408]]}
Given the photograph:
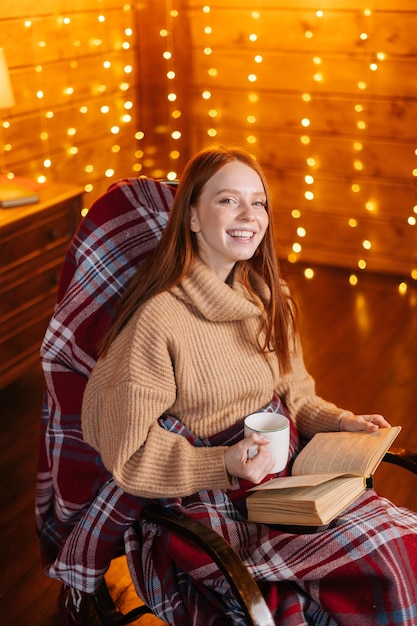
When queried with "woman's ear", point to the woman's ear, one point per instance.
{"points": [[194, 221]]}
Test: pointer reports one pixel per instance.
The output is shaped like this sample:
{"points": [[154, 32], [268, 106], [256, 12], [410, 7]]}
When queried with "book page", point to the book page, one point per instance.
{"points": [[351, 453], [286, 482], [307, 506]]}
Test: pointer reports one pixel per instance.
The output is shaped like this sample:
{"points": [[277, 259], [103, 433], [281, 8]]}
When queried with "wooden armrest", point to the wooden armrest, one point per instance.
{"points": [[242, 583], [403, 458]]}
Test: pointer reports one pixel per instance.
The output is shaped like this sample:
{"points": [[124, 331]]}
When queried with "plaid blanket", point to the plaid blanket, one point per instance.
{"points": [[120, 230], [361, 569]]}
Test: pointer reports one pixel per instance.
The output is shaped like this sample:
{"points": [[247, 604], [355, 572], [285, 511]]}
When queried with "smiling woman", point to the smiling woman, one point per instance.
{"points": [[230, 218], [179, 246], [191, 351]]}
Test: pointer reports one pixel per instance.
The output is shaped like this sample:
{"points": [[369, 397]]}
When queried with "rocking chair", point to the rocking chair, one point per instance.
{"points": [[120, 230]]}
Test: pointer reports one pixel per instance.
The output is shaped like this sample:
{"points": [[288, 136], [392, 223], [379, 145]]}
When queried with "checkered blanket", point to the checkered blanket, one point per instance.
{"points": [[120, 230], [359, 570]]}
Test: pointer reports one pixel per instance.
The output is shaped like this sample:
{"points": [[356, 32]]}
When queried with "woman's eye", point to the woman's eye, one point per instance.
{"points": [[227, 201], [234, 202]]}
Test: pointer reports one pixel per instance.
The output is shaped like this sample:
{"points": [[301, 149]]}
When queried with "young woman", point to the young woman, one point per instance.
{"points": [[204, 335]]}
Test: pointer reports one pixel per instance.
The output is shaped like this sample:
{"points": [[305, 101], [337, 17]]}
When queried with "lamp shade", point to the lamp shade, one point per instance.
{"points": [[6, 92]]}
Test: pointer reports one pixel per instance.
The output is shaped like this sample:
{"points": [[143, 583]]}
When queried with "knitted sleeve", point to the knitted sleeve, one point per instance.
{"points": [[127, 392]]}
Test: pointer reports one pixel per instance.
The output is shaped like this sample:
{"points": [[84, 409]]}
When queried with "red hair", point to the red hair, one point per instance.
{"points": [[175, 253]]}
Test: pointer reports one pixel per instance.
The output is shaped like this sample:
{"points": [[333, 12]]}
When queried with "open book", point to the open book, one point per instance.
{"points": [[330, 472]]}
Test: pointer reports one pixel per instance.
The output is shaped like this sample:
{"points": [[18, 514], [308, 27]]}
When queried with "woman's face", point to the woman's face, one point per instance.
{"points": [[230, 217]]}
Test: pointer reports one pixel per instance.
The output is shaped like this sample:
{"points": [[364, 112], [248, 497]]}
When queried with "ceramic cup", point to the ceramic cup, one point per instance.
{"points": [[275, 428]]}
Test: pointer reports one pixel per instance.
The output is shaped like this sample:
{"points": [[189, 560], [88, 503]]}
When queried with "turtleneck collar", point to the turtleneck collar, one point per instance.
{"points": [[213, 298]]}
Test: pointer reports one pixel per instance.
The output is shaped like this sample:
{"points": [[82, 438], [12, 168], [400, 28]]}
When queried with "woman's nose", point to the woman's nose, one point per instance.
{"points": [[246, 211]]}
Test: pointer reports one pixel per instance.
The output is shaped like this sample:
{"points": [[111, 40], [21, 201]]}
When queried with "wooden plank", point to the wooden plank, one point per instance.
{"points": [[341, 75], [340, 5], [285, 28], [99, 153], [392, 200], [284, 155], [395, 241], [283, 111], [329, 240], [69, 126], [50, 38], [33, 8], [84, 76], [333, 153]]}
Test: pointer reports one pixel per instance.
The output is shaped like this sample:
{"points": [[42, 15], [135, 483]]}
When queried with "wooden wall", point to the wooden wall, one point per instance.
{"points": [[323, 92], [70, 69], [362, 121]]}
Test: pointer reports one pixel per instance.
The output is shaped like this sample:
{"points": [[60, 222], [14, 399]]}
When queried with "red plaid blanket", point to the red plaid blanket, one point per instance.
{"points": [[118, 233], [360, 570]]}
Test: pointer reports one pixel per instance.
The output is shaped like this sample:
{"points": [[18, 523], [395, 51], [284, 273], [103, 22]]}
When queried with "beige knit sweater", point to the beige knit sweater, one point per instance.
{"points": [[191, 352]]}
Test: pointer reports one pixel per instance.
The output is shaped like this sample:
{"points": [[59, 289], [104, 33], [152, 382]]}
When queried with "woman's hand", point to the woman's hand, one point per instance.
{"points": [[254, 469], [368, 423]]}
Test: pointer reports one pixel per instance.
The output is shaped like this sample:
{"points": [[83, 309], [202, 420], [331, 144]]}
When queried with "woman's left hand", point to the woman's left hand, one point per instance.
{"points": [[368, 423]]}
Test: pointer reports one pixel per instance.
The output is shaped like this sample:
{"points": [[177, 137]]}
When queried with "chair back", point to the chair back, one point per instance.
{"points": [[120, 230]]}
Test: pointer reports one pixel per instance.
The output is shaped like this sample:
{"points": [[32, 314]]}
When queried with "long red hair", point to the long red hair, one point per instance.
{"points": [[175, 252]]}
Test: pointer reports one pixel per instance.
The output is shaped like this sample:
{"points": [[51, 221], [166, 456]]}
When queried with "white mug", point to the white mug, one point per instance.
{"points": [[275, 428]]}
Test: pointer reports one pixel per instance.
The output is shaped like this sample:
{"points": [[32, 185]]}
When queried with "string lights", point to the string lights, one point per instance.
{"points": [[174, 109], [112, 106], [251, 116], [67, 116], [372, 65], [211, 72]]}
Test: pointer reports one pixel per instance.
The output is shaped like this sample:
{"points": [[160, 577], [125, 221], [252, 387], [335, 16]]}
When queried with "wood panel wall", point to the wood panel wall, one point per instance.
{"points": [[70, 69], [323, 92], [361, 137]]}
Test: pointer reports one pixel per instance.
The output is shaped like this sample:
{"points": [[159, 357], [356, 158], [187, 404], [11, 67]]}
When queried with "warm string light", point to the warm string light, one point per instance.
{"points": [[42, 175], [412, 219], [167, 33], [176, 106], [361, 126], [211, 72], [119, 107], [370, 206], [311, 158], [98, 40], [251, 117], [208, 93], [374, 62]]}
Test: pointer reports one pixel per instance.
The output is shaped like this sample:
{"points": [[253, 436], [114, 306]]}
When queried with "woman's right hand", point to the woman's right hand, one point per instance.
{"points": [[253, 469]]}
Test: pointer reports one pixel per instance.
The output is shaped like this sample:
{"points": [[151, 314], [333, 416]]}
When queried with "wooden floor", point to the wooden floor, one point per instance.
{"points": [[360, 344]]}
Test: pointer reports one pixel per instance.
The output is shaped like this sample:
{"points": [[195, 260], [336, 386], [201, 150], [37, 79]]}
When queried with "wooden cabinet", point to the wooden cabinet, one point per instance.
{"points": [[33, 241]]}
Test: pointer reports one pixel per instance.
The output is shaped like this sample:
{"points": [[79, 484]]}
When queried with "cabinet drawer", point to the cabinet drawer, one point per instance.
{"points": [[21, 344], [33, 242], [32, 238], [30, 288]]}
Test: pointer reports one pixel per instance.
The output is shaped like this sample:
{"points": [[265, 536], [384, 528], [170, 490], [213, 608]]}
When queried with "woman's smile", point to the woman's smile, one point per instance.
{"points": [[242, 235]]}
